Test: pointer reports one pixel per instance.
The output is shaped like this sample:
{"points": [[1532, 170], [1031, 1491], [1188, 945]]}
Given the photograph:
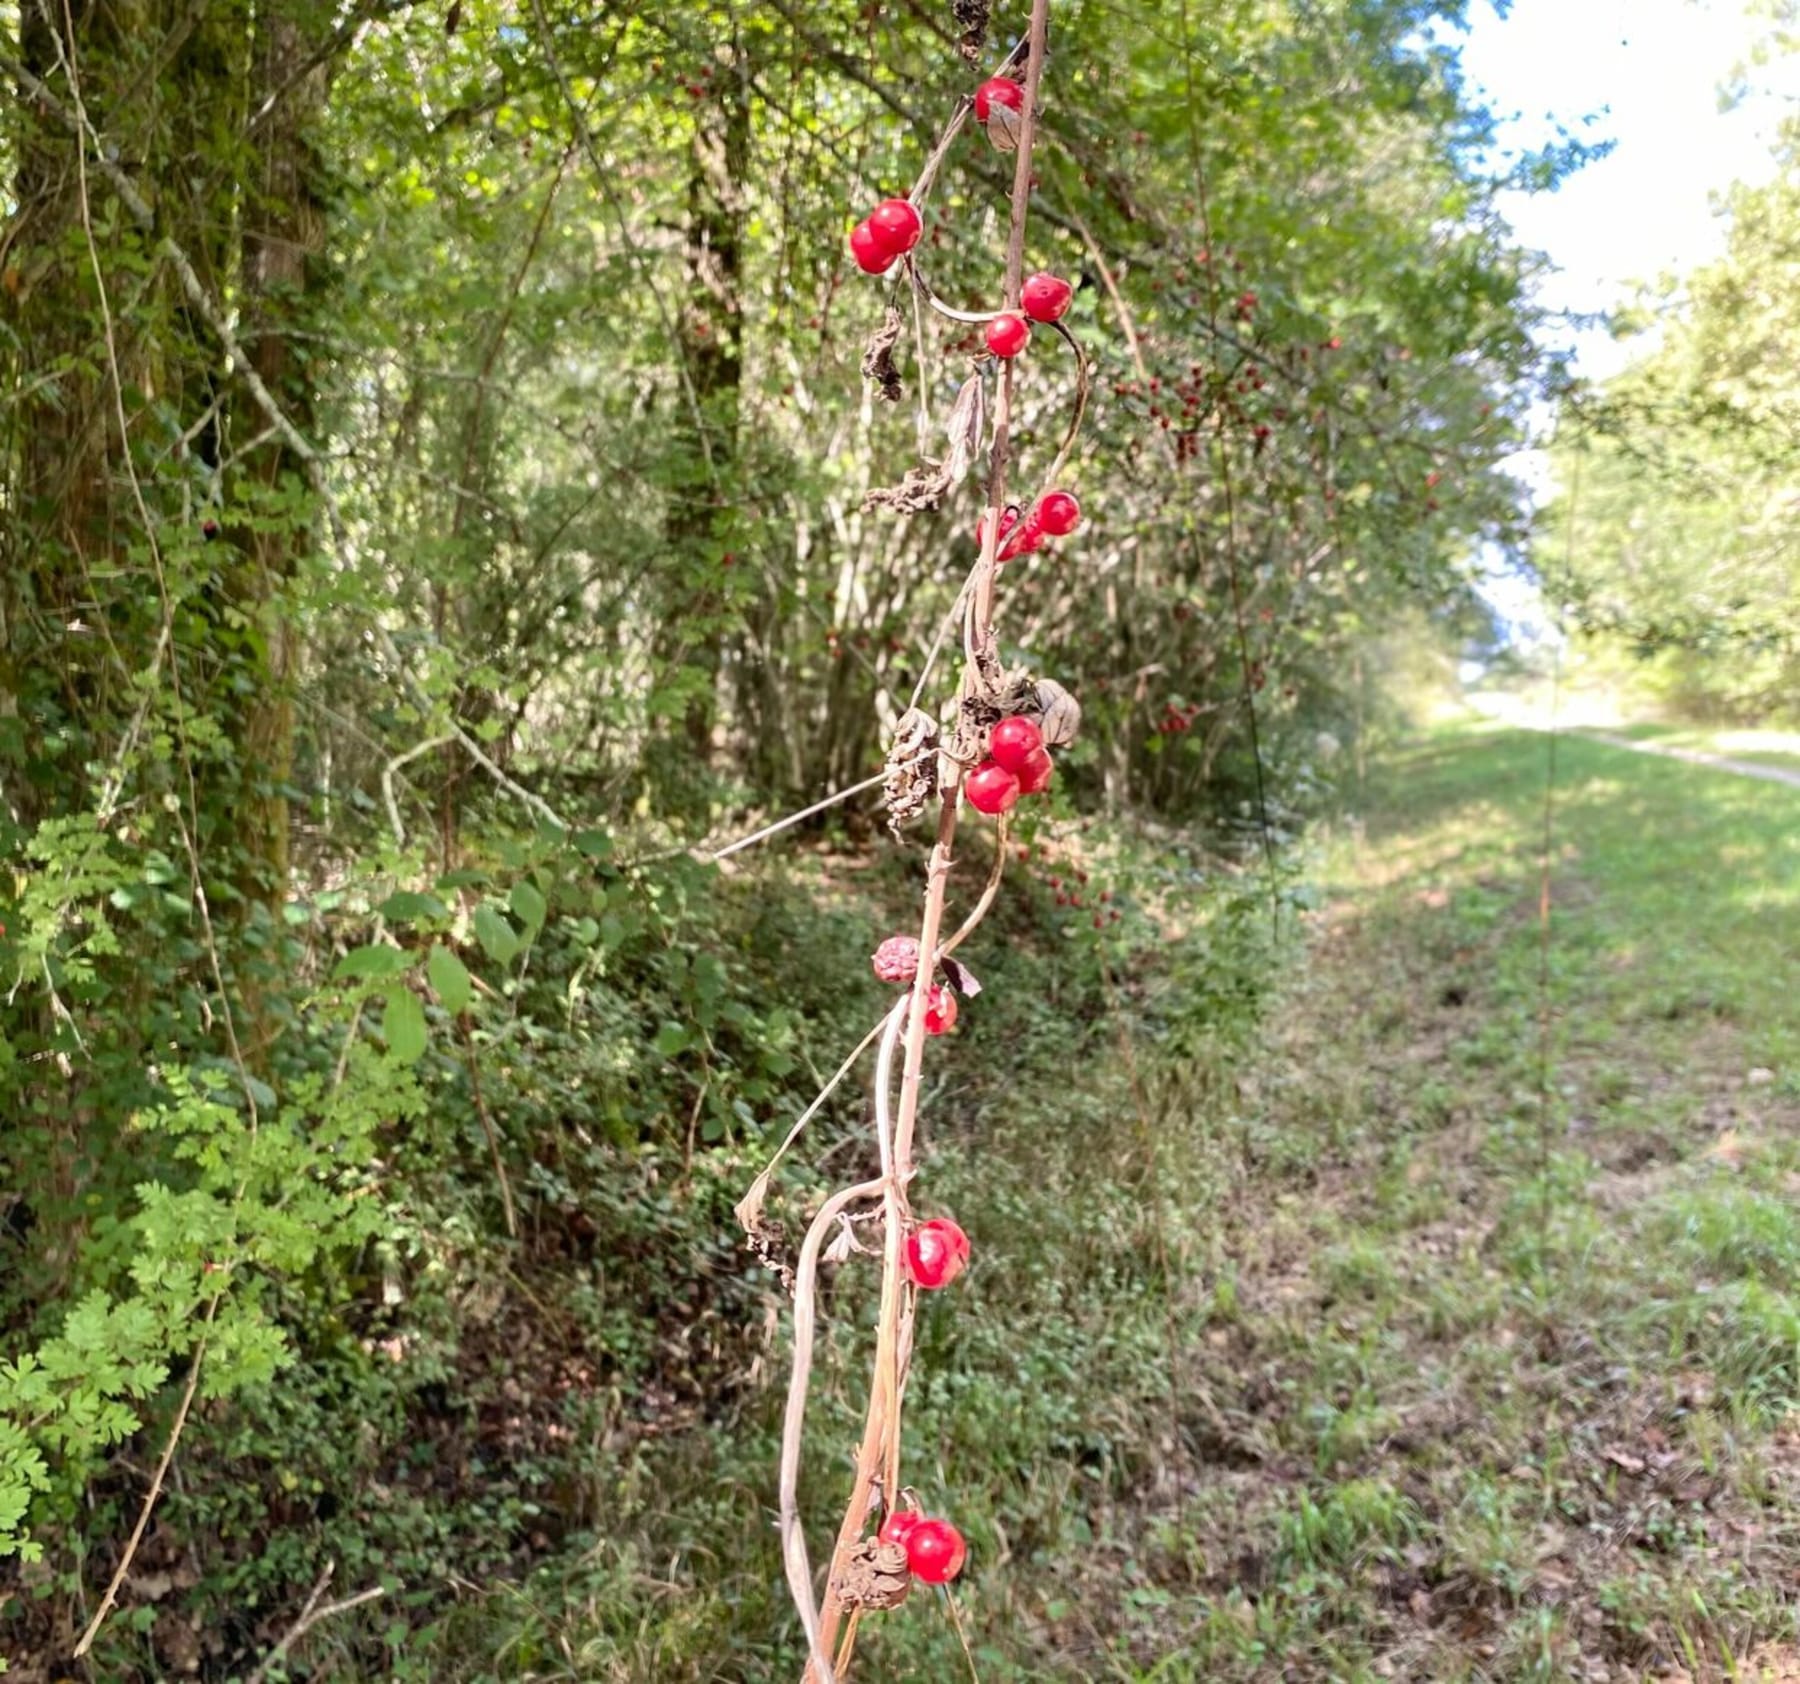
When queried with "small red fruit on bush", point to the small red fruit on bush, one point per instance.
{"points": [[1009, 518], [991, 788], [895, 1528], [897, 959], [1007, 335], [998, 90], [1013, 742], [1035, 775], [873, 255], [940, 1011], [1058, 512], [1046, 297], [897, 224], [936, 1253], [935, 1551], [1025, 539]]}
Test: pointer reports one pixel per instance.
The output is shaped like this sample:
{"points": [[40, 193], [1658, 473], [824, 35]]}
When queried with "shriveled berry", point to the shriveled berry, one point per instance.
{"points": [[1058, 513], [1035, 775], [897, 223], [998, 90], [1013, 742], [897, 959], [936, 1253], [940, 1011], [991, 789], [873, 255], [1008, 334], [1046, 297], [935, 1551]]}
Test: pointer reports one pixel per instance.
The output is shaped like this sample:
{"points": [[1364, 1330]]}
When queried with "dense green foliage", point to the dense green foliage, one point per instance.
{"points": [[432, 469], [1676, 521]]}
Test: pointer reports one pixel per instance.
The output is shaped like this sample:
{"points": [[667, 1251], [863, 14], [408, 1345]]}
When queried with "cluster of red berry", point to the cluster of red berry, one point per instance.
{"points": [[885, 235], [1017, 764], [935, 1550], [1045, 298], [1177, 719], [1054, 515]]}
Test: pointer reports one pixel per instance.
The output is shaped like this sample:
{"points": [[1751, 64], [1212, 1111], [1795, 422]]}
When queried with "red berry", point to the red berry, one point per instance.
{"points": [[1035, 775], [1007, 335], [1013, 742], [1027, 538], [1058, 513], [936, 1253], [998, 90], [940, 1011], [991, 789], [873, 256], [935, 1551], [896, 224], [897, 959], [1046, 297], [1009, 518], [895, 1528]]}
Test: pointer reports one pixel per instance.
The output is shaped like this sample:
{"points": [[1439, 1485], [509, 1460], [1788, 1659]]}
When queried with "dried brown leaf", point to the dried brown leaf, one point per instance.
{"points": [[873, 1575], [1003, 127], [962, 979], [1061, 713], [923, 488], [878, 357], [972, 19], [968, 420]]}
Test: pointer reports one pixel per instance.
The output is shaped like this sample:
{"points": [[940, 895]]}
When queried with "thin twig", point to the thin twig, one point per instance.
{"points": [[387, 781], [780, 825], [310, 1616], [111, 1593], [749, 1207]]}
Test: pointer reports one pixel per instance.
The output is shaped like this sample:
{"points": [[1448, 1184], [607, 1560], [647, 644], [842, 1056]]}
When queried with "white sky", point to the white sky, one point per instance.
{"points": [[1648, 76]]}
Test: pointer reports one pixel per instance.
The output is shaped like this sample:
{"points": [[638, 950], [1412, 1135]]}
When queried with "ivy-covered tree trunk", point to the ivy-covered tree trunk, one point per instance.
{"points": [[703, 520], [283, 241]]}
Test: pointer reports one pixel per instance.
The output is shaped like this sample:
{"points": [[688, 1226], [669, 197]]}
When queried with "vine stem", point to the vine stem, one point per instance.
{"points": [[878, 1456]]}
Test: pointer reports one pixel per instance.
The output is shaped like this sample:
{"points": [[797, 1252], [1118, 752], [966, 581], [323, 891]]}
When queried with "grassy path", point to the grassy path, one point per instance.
{"points": [[1499, 1378]]}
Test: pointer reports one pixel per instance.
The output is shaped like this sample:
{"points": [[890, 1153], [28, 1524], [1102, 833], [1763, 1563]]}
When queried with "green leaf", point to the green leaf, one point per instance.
{"points": [[529, 905], [449, 979], [496, 935], [378, 963], [671, 1039], [403, 1023], [404, 906]]}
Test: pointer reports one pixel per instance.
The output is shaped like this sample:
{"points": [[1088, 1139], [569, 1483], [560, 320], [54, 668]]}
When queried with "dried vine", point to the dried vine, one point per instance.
{"points": [[989, 745]]}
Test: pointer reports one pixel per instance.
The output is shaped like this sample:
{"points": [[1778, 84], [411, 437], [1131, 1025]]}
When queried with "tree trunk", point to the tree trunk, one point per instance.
{"points": [[702, 515]]}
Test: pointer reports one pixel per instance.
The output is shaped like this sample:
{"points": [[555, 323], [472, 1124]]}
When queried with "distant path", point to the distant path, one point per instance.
{"points": [[1718, 762], [1508, 711]]}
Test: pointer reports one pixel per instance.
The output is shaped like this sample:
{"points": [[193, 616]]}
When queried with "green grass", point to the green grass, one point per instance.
{"points": [[1359, 1352]]}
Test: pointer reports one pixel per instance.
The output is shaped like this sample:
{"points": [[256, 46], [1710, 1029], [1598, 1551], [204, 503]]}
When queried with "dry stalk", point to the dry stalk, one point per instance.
{"points": [[878, 1456]]}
